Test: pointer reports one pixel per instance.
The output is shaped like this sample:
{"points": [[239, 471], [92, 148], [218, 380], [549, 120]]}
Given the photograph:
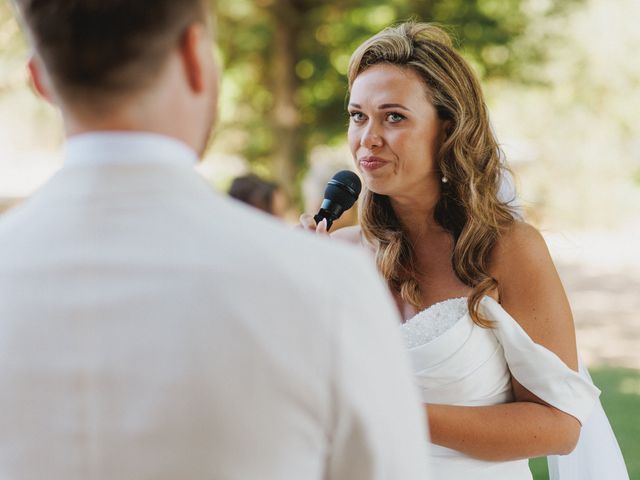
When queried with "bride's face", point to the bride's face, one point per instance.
{"points": [[394, 131]]}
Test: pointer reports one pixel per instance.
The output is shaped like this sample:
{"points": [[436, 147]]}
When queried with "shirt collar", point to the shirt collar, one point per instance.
{"points": [[127, 147]]}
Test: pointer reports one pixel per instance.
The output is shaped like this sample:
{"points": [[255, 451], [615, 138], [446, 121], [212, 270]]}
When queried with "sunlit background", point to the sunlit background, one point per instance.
{"points": [[562, 81]]}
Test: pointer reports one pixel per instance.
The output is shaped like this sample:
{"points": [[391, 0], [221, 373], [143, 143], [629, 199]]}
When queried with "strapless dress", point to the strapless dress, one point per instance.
{"points": [[457, 362]]}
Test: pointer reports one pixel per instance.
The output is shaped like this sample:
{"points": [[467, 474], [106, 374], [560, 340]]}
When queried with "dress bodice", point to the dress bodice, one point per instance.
{"points": [[457, 362]]}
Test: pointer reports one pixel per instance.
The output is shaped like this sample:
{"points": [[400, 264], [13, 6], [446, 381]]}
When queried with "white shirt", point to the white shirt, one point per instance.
{"points": [[119, 147], [152, 329]]}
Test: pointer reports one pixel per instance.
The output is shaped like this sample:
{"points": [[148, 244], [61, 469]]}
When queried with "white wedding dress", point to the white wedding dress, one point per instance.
{"points": [[457, 362]]}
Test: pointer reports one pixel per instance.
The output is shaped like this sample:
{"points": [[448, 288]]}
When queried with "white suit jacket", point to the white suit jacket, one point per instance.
{"points": [[153, 329]]}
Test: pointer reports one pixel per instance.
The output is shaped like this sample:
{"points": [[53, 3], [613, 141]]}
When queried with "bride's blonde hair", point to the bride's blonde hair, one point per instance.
{"points": [[469, 158]]}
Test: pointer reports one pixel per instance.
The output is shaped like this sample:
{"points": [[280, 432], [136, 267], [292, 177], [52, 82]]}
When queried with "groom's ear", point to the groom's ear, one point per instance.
{"points": [[193, 49], [40, 79]]}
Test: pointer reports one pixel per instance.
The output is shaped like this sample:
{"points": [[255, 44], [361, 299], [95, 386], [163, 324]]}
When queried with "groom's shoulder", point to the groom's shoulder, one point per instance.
{"points": [[283, 247], [12, 221]]}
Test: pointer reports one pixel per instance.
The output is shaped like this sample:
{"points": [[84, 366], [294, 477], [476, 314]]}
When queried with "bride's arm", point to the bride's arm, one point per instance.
{"points": [[531, 292], [503, 432]]}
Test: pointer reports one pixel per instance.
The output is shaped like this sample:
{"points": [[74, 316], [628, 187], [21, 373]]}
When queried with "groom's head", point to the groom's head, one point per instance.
{"points": [[97, 57]]}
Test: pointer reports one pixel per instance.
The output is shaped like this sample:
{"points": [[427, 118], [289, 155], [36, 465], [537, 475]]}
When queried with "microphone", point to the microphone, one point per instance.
{"points": [[341, 193]]}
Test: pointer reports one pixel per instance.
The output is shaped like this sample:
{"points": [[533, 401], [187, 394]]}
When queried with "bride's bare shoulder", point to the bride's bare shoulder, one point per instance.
{"points": [[519, 249]]}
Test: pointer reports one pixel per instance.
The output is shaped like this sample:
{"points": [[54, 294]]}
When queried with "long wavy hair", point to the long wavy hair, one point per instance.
{"points": [[469, 158]]}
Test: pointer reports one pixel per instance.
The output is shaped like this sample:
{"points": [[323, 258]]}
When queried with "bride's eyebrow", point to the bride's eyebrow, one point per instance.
{"points": [[384, 106]]}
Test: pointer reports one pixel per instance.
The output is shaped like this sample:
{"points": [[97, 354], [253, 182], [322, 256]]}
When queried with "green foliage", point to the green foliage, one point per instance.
{"points": [[11, 40], [621, 400]]}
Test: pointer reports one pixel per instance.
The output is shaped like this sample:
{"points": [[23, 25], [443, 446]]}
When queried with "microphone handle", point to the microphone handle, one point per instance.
{"points": [[322, 214]]}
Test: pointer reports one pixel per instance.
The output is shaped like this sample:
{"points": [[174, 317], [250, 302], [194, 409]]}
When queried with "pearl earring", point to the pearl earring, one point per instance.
{"points": [[445, 179]]}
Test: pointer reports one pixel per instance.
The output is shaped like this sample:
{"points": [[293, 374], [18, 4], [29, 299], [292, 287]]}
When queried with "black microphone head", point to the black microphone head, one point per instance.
{"points": [[341, 193], [343, 189]]}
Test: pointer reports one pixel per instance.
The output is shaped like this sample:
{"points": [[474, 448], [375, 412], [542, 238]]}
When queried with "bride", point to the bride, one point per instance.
{"points": [[486, 319]]}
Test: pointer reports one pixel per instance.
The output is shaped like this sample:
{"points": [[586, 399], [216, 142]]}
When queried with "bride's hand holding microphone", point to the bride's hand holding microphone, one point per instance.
{"points": [[341, 193]]}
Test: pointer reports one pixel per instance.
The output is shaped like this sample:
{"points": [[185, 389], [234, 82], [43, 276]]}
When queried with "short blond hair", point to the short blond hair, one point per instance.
{"points": [[105, 47]]}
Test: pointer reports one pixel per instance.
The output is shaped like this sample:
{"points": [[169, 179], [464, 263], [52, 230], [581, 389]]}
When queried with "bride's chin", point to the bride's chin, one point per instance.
{"points": [[377, 188]]}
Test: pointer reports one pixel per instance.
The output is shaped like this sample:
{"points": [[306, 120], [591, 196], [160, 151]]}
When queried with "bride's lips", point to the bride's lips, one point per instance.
{"points": [[372, 163]]}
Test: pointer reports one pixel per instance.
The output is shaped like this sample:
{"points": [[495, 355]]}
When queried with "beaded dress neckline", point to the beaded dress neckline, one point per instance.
{"points": [[433, 321]]}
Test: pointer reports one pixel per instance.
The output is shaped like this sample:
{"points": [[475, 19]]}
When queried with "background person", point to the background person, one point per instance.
{"points": [[259, 193]]}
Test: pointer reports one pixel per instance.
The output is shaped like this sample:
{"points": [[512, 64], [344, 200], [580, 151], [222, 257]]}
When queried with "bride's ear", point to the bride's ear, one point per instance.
{"points": [[447, 128]]}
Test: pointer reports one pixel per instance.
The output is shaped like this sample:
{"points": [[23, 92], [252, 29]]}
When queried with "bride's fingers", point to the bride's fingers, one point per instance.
{"points": [[307, 222], [321, 229]]}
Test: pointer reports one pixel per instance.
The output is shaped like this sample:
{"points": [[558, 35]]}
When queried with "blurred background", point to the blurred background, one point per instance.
{"points": [[562, 81]]}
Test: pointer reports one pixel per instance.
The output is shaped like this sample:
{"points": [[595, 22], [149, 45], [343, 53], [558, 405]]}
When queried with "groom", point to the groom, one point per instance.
{"points": [[152, 329]]}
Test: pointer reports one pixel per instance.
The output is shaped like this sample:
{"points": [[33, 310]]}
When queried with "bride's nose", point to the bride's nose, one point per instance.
{"points": [[371, 138]]}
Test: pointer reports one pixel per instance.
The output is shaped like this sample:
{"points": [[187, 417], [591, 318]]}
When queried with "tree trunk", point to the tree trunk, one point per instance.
{"points": [[289, 146]]}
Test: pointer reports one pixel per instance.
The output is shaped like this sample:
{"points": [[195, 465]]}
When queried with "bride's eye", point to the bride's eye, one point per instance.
{"points": [[394, 117], [356, 117]]}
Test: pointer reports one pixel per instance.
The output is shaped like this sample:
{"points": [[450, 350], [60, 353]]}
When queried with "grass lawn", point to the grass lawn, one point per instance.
{"points": [[621, 400]]}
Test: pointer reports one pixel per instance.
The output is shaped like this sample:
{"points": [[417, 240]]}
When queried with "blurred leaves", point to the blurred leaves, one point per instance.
{"points": [[12, 48], [577, 127]]}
